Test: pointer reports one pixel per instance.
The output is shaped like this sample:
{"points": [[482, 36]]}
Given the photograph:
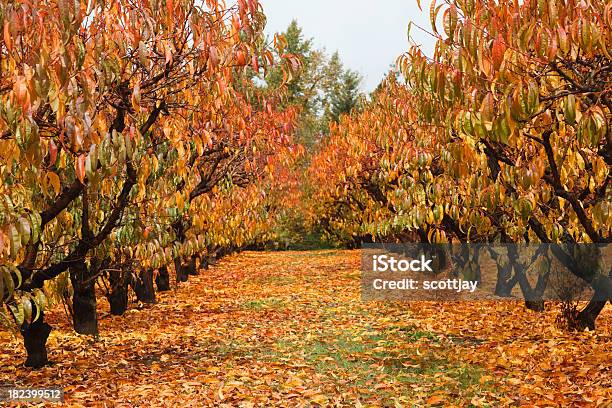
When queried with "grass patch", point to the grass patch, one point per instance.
{"points": [[412, 334], [390, 354], [261, 304], [469, 376]]}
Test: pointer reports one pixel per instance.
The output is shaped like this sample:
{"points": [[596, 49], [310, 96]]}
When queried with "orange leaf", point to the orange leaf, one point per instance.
{"points": [[435, 400], [80, 168], [499, 48], [7, 37], [170, 8]]}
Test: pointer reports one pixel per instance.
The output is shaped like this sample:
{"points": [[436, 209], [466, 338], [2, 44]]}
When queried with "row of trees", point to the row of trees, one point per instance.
{"points": [[505, 135], [132, 140], [323, 89]]}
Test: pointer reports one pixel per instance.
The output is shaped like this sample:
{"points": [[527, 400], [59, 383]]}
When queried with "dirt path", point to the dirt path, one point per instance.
{"points": [[289, 329]]}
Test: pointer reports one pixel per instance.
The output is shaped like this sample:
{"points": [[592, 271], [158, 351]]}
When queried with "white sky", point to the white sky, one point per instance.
{"points": [[369, 34]]}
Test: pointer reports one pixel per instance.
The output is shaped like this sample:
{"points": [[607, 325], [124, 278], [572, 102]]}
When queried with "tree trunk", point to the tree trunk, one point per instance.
{"points": [[535, 305], [505, 281], [162, 280], [84, 313], [35, 337], [181, 273], [118, 295], [533, 296], [601, 283], [224, 251], [144, 288], [192, 267], [587, 316]]}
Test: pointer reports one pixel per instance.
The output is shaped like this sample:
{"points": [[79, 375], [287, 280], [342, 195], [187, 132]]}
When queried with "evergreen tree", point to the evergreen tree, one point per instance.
{"points": [[347, 97], [324, 89]]}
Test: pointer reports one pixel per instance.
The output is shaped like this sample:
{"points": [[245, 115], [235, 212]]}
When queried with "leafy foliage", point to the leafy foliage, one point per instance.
{"points": [[132, 143]]}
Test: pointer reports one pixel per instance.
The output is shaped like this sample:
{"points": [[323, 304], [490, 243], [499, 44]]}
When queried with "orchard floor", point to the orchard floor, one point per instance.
{"points": [[289, 329]]}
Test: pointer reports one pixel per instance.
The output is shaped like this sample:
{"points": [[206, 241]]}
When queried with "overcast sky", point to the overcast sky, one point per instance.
{"points": [[369, 34]]}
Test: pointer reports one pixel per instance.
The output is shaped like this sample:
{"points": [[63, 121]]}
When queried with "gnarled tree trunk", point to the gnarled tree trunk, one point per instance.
{"points": [[505, 280], [144, 288], [84, 303], [35, 335], [585, 267], [534, 297], [587, 316], [192, 266], [503, 285], [118, 294], [181, 270], [162, 280]]}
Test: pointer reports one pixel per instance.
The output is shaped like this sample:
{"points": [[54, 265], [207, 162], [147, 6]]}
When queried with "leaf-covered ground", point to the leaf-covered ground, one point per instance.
{"points": [[289, 329]]}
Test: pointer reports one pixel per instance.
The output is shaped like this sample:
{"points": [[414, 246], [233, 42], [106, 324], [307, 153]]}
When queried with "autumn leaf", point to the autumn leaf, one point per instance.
{"points": [[54, 181], [80, 167]]}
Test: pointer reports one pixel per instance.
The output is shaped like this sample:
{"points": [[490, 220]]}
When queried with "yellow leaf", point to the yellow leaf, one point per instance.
{"points": [[55, 181], [319, 399]]}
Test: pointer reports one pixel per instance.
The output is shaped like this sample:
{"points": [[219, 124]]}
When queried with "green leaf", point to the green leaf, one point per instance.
{"points": [[15, 240], [35, 227], [533, 97], [17, 273], [8, 282], [569, 109], [41, 302], [18, 313]]}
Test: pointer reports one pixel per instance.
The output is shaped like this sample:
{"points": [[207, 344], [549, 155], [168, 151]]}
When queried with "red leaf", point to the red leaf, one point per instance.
{"points": [[499, 49], [52, 152]]}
